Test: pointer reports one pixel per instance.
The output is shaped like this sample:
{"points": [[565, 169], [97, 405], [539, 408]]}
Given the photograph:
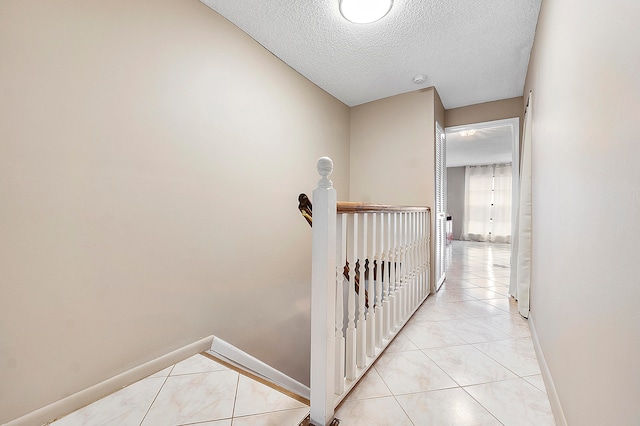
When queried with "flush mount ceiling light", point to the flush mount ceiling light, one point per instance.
{"points": [[364, 11]]}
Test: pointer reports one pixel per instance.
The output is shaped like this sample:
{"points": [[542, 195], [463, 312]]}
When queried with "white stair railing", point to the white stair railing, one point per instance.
{"points": [[355, 315]]}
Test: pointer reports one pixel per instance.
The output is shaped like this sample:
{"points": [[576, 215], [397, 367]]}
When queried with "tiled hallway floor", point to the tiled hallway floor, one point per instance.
{"points": [[196, 391], [465, 358]]}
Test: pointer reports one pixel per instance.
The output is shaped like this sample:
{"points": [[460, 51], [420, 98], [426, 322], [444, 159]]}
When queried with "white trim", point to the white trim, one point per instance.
{"points": [[440, 216], [91, 394], [230, 354], [441, 281], [556, 407], [513, 122]]}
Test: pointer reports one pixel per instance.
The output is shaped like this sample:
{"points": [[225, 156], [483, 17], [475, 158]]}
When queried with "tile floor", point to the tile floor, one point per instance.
{"points": [[196, 391], [465, 358]]}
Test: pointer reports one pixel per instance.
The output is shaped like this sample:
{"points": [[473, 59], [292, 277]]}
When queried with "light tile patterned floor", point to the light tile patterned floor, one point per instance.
{"points": [[196, 391], [465, 358]]}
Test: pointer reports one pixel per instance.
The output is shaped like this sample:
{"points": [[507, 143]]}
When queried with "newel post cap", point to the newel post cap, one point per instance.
{"points": [[325, 168]]}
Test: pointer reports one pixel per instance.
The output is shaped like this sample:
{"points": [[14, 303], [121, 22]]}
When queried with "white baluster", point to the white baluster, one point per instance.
{"points": [[323, 290], [398, 274], [403, 267], [399, 271], [416, 246], [392, 274], [420, 256], [361, 347], [341, 260], [423, 252], [386, 280], [409, 272], [351, 306], [423, 269], [416, 257], [371, 313], [407, 260], [379, 283], [428, 256]]}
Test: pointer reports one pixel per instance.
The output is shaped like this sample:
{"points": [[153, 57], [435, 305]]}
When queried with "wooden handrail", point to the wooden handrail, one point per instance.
{"points": [[353, 207], [306, 209], [304, 205]]}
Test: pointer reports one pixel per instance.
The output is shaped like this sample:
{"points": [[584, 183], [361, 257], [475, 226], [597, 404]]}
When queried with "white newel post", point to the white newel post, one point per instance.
{"points": [[323, 293]]}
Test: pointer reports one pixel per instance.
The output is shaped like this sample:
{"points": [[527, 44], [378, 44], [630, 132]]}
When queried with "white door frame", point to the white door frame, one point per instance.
{"points": [[514, 123], [440, 216]]}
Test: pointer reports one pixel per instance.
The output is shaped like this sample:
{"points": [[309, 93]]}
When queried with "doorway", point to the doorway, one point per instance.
{"points": [[481, 149]]}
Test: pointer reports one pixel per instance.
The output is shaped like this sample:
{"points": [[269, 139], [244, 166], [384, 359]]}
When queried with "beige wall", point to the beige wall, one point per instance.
{"points": [[488, 111], [151, 155], [439, 111], [455, 198], [586, 198], [392, 150]]}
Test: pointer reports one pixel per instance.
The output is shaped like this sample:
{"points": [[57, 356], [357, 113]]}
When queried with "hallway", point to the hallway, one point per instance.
{"points": [[465, 358]]}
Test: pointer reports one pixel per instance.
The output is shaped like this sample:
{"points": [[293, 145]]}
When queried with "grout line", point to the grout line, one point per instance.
{"points": [[203, 422], [280, 410], [403, 410], [157, 393], [235, 399], [485, 408]]}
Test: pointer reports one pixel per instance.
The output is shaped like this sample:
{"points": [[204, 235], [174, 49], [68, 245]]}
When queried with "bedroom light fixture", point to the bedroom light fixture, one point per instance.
{"points": [[364, 11]]}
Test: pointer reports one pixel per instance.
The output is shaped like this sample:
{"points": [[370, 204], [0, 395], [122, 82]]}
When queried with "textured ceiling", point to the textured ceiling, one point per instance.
{"points": [[472, 51], [486, 146]]}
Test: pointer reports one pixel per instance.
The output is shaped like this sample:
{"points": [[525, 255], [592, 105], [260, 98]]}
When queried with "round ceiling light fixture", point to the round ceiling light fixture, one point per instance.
{"points": [[365, 11]]}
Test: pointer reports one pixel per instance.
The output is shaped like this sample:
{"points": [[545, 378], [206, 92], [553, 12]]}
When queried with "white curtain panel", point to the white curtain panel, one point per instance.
{"points": [[501, 228], [477, 203]]}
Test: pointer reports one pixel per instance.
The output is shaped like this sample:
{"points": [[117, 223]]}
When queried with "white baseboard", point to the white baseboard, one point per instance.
{"points": [[441, 281], [556, 407], [87, 396], [254, 367]]}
